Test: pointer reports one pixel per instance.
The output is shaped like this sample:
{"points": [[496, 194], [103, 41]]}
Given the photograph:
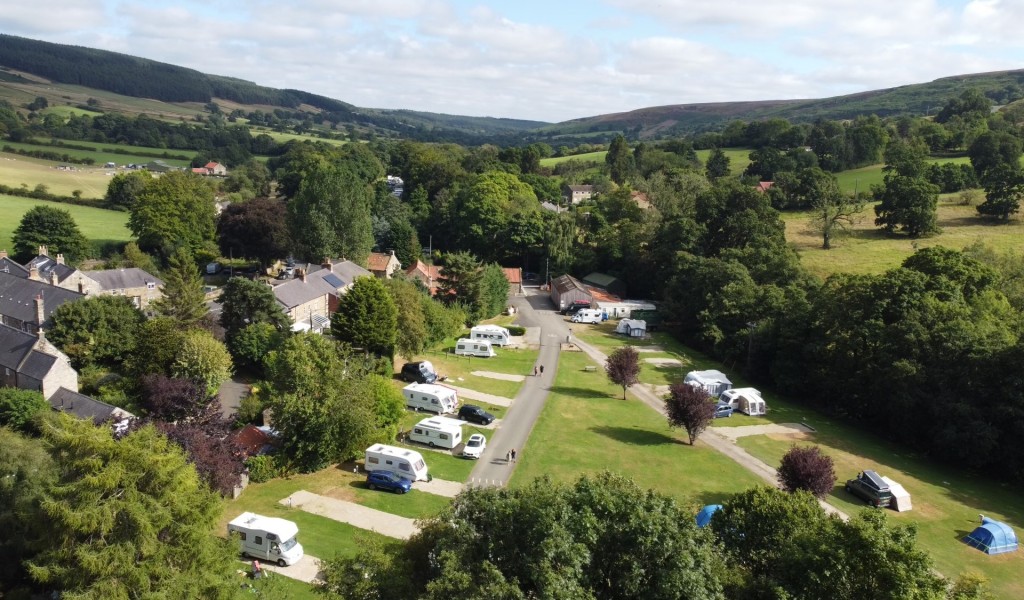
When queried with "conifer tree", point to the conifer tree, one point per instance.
{"points": [[183, 290]]}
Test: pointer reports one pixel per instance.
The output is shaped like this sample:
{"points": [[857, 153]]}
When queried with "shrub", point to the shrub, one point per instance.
{"points": [[262, 468], [516, 330], [806, 468], [19, 407]]}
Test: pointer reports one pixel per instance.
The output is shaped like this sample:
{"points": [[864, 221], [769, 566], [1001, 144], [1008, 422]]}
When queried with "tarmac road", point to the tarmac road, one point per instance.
{"points": [[534, 310]]}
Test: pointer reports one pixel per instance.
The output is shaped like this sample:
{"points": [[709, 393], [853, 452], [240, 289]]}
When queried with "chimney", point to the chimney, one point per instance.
{"points": [[33, 273], [42, 251], [392, 253], [40, 312], [326, 263], [60, 259], [53, 278], [3, 254], [302, 274]]}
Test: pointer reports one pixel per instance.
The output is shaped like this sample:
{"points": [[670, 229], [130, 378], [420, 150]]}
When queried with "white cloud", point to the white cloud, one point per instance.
{"points": [[49, 16]]}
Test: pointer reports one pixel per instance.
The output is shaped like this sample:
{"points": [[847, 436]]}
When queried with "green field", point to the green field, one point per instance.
{"points": [[586, 427], [589, 156], [66, 111], [282, 137], [22, 171], [103, 155], [863, 178], [97, 224], [946, 503], [871, 250], [739, 158]]}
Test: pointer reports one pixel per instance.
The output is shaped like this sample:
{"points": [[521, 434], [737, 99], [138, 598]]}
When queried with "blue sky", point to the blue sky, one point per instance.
{"points": [[552, 60]]}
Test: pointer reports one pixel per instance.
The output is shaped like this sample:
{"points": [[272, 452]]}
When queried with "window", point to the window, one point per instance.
{"points": [[444, 436], [388, 462], [374, 460], [404, 466], [150, 285], [418, 431], [241, 535], [258, 541]]}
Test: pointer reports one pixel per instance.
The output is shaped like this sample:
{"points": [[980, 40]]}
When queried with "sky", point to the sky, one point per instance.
{"points": [[548, 61]]}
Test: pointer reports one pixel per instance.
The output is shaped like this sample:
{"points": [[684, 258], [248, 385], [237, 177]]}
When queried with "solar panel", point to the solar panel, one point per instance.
{"points": [[334, 281]]}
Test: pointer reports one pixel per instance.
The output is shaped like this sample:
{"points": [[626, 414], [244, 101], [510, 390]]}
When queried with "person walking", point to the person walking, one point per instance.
{"points": [[513, 455], [534, 370], [508, 457], [542, 370]]}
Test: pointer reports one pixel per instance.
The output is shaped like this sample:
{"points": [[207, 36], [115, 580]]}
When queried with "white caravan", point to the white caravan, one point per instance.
{"points": [[496, 335], [437, 431], [267, 538], [468, 347], [400, 461], [746, 400], [588, 315], [430, 397]]}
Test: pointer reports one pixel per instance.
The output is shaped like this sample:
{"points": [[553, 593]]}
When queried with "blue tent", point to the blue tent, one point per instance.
{"points": [[992, 537], [704, 516]]}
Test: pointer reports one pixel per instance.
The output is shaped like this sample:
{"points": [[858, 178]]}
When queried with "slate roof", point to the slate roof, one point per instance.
{"points": [[84, 407], [15, 345], [297, 292], [37, 364], [580, 188], [567, 283], [9, 266], [17, 297], [47, 265], [120, 279]]}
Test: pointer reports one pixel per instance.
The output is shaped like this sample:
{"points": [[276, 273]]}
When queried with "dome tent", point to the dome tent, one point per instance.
{"points": [[704, 516], [992, 537]]}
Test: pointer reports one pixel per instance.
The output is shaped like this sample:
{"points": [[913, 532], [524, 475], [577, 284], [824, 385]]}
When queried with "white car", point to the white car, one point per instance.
{"points": [[474, 446]]}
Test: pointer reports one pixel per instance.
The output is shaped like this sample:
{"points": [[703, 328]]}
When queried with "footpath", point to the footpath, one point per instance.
{"points": [[716, 440]]}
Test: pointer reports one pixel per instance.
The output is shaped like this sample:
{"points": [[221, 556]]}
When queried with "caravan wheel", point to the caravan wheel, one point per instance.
{"points": [[431, 444], [281, 563]]}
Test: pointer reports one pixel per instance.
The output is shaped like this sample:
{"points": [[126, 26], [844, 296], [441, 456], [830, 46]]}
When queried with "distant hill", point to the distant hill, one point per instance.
{"points": [[917, 99], [185, 92]]}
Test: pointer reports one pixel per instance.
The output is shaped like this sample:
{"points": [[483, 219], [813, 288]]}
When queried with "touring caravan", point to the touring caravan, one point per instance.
{"points": [[267, 538], [400, 461], [496, 335], [746, 400], [467, 347], [588, 315], [430, 397], [713, 382], [437, 431]]}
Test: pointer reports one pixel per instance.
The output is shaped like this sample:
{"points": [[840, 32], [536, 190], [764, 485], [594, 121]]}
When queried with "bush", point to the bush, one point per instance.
{"points": [[806, 468], [262, 468], [19, 407], [250, 409], [516, 330]]}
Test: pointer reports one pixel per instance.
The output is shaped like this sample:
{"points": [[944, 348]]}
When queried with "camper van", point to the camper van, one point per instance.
{"points": [[267, 538], [588, 315], [746, 400], [497, 336], [430, 397], [437, 431], [467, 347], [400, 461]]}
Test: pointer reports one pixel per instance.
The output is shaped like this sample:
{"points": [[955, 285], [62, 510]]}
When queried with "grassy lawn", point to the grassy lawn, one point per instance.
{"points": [[459, 368], [871, 250], [293, 589], [863, 178], [946, 503], [587, 156], [586, 427], [97, 224], [103, 155], [443, 465], [287, 137]]}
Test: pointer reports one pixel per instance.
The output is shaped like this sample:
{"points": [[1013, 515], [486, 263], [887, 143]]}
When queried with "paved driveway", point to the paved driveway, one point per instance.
{"points": [[353, 514]]}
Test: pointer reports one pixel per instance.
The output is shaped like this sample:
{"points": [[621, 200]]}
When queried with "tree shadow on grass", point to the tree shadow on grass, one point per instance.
{"points": [[577, 392], [636, 437]]}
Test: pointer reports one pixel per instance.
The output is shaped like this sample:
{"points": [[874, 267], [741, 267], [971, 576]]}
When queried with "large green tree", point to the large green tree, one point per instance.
{"points": [[487, 211], [460, 281], [619, 160], [907, 201], [129, 518], [52, 227], [717, 164], [175, 209], [256, 229], [412, 325], [202, 358], [330, 215], [124, 188], [367, 317], [183, 298], [97, 331], [246, 302], [26, 474], [1004, 189]]}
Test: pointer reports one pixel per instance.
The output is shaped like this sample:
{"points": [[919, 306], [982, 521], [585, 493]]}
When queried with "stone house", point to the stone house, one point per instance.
{"points": [[137, 285], [382, 264], [428, 275], [311, 297], [30, 362], [26, 304], [574, 194]]}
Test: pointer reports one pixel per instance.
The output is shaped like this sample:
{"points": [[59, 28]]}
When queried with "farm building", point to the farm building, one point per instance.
{"points": [[714, 382], [574, 194], [610, 284], [566, 290]]}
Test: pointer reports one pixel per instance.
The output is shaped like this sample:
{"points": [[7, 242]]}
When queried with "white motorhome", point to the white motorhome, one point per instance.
{"points": [[431, 397], [496, 335], [588, 315], [267, 538], [746, 400], [468, 347], [400, 461], [437, 431]]}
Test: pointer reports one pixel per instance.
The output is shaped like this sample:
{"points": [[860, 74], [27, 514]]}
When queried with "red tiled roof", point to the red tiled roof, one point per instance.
{"points": [[764, 186], [378, 261], [212, 165], [250, 439], [200, 170], [514, 276], [600, 295]]}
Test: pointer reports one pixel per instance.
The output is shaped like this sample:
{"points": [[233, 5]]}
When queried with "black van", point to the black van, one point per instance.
{"points": [[419, 372], [870, 487]]}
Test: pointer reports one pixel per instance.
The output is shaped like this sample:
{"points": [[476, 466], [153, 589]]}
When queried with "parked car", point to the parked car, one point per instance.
{"points": [[723, 409], [871, 488], [474, 446], [575, 306], [386, 480], [213, 268], [475, 414], [529, 276], [419, 372]]}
